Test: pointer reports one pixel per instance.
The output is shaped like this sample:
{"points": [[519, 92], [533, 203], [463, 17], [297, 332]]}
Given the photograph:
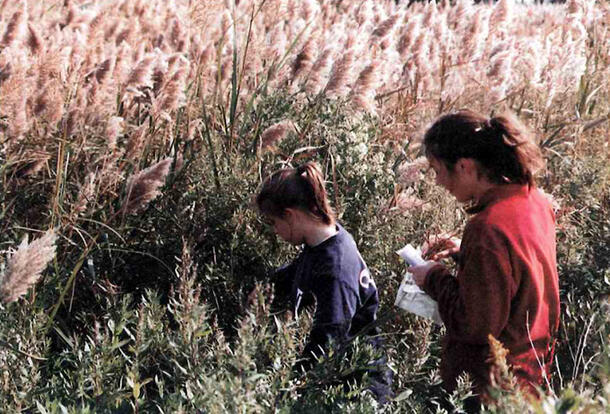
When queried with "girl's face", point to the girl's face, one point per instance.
{"points": [[461, 182], [286, 228]]}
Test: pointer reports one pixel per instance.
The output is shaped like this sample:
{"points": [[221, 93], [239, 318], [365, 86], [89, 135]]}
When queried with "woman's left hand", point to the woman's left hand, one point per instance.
{"points": [[421, 272]]}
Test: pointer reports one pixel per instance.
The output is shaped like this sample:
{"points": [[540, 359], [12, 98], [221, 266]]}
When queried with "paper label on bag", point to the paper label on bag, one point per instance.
{"points": [[410, 297]]}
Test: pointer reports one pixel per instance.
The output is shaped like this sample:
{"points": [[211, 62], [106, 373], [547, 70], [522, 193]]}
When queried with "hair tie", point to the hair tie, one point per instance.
{"points": [[302, 171], [496, 126]]}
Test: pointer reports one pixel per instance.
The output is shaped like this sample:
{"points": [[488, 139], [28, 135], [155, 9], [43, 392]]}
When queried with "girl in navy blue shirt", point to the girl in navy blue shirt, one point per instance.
{"points": [[329, 268]]}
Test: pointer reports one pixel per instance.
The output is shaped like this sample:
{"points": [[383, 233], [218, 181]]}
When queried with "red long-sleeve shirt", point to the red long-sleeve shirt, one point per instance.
{"points": [[506, 285]]}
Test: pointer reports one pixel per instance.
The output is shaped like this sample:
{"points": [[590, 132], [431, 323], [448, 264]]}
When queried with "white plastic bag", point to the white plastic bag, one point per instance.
{"points": [[410, 297]]}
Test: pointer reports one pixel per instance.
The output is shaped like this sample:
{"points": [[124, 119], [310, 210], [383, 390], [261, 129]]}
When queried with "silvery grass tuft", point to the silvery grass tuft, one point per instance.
{"points": [[25, 265], [143, 187], [276, 133]]}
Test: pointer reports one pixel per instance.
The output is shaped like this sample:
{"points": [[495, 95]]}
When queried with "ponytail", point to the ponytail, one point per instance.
{"points": [[301, 187], [502, 146]]}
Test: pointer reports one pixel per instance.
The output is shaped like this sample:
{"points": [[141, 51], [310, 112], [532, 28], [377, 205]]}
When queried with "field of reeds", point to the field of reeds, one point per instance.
{"points": [[134, 133]]}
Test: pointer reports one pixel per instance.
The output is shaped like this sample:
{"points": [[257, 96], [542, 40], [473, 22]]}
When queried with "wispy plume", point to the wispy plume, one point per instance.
{"points": [[85, 194], [103, 70], [385, 27], [340, 75], [411, 172], [114, 129], [14, 28], [25, 265], [318, 72], [276, 133], [144, 186], [140, 76], [34, 41], [304, 59], [363, 92]]}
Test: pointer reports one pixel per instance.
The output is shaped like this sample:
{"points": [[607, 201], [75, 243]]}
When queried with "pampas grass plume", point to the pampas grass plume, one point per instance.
{"points": [[34, 41], [13, 28], [141, 74], [276, 133], [339, 75], [143, 187], [318, 72], [103, 70], [25, 266], [385, 27], [411, 172]]}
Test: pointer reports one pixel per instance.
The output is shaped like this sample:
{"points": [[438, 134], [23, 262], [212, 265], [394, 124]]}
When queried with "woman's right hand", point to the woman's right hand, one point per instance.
{"points": [[440, 246]]}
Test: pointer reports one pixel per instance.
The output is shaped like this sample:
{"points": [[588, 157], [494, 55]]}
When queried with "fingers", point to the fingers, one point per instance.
{"points": [[445, 253]]}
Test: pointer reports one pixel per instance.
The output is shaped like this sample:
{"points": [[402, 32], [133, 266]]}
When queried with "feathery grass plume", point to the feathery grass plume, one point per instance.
{"points": [[5, 72], [114, 129], [276, 133], [459, 14], [367, 78], [340, 75], [122, 63], [177, 37], [34, 42], [501, 16], [25, 265], [385, 27], [71, 121], [135, 144], [173, 91], [402, 203], [421, 54], [19, 118], [500, 65], [85, 194], [140, 75], [411, 172], [143, 187], [304, 59], [158, 77], [363, 92], [95, 24], [13, 28], [407, 38], [205, 56], [473, 39], [430, 15], [124, 35], [309, 8], [317, 73], [103, 70]]}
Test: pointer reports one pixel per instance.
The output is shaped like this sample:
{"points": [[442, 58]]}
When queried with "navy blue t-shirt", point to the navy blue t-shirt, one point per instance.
{"points": [[339, 280]]}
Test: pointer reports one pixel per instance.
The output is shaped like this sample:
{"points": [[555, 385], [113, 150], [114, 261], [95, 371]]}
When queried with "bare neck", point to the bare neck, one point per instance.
{"points": [[317, 232]]}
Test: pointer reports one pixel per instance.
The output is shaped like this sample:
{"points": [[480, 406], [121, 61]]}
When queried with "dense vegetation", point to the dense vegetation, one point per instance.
{"points": [[133, 135]]}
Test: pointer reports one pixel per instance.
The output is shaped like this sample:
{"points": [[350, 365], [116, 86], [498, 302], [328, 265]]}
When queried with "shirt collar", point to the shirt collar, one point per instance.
{"points": [[497, 193]]}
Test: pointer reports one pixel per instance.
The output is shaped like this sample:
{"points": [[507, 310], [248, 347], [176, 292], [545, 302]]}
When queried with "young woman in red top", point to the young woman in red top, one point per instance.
{"points": [[506, 283]]}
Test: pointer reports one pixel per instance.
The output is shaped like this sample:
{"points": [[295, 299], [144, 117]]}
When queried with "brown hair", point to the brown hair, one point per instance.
{"points": [[301, 187], [502, 146]]}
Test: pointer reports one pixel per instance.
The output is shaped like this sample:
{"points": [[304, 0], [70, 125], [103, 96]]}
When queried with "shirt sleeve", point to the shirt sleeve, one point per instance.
{"points": [[477, 302], [336, 305]]}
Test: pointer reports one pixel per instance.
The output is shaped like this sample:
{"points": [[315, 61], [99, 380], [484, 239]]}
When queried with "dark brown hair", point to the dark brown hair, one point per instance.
{"points": [[502, 147], [301, 187]]}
